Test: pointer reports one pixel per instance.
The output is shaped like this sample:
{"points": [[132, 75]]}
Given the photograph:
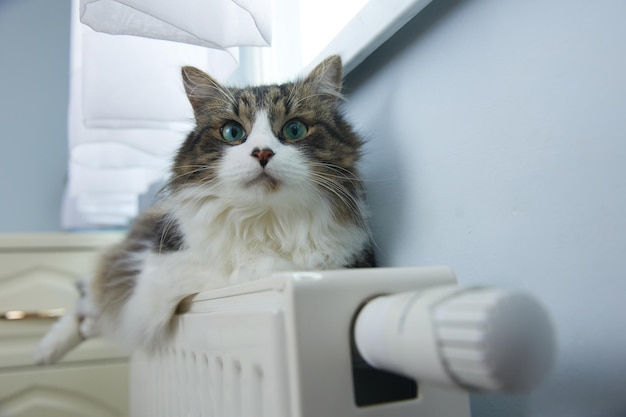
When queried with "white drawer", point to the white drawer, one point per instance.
{"points": [[99, 390], [38, 273]]}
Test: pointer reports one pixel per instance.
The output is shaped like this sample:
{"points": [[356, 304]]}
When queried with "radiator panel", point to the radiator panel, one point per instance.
{"points": [[278, 347]]}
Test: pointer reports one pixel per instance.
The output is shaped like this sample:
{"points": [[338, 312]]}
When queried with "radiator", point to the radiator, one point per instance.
{"points": [[284, 347]]}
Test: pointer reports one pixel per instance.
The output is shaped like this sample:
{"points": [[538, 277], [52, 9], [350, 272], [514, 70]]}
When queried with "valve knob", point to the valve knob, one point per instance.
{"points": [[477, 339]]}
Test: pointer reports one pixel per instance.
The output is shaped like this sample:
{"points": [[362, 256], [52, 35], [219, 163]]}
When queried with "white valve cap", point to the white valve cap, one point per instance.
{"points": [[479, 339], [492, 339]]}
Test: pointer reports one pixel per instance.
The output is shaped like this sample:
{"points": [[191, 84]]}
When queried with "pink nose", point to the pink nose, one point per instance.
{"points": [[262, 155]]}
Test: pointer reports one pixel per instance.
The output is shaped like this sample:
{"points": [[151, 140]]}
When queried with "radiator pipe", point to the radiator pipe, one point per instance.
{"points": [[475, 339]]}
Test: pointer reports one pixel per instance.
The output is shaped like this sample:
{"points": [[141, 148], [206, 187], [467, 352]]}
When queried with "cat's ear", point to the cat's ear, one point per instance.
{"points": [[326, 77], [200, 88]]}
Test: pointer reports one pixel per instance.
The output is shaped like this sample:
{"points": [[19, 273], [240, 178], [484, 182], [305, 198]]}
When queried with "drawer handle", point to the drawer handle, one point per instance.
{"points": [[13, 315]]}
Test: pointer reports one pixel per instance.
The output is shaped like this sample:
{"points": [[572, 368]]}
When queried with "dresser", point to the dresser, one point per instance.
{"points": [[37, 282]]}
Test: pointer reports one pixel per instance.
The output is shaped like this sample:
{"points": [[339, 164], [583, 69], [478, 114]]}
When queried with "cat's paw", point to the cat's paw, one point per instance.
{"points": [[60, 339], [89, 328]]}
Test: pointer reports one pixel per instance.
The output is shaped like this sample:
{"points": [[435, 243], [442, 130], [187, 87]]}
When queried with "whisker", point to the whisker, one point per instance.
{"points": [[189, 173], [340, 172], [347, 198], [345, 173], [170, 221], [351, 202]]}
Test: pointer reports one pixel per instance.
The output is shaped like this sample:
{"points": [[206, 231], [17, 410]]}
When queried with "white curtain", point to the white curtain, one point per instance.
{"points": [[127, 111]]}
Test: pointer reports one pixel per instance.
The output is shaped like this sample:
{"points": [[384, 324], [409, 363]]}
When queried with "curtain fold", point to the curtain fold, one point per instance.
{"points": [[209, 23], [127, 110]]}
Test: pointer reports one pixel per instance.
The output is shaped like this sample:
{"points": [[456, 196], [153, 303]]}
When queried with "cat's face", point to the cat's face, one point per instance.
{"points": [[264, 162], [268, 144]]}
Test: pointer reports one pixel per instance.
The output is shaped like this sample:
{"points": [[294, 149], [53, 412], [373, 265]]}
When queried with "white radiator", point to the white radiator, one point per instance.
{"points": [[283, 347]]}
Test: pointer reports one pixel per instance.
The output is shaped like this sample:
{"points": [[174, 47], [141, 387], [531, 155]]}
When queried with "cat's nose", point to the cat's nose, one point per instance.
{"points": [[263, 155]]}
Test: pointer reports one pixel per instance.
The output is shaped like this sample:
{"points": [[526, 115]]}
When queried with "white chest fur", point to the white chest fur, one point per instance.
{"points": [[242, 243]]}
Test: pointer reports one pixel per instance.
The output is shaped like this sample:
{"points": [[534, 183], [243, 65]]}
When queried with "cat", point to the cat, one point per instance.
{"points": [[267, 181]]}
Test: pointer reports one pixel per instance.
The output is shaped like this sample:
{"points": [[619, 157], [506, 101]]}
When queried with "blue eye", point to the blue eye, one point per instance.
{"points": [[233, 132], [294, 130]]}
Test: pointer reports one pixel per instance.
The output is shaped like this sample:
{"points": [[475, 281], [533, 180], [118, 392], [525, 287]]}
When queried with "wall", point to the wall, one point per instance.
{"points": [[498, 146], [34, 50]]}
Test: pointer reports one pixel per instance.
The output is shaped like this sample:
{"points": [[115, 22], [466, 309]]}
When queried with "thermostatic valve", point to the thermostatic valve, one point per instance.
{"points": [[477, 339]]}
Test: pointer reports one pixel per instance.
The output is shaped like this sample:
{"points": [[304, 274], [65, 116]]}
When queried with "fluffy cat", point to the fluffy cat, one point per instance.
{"points": [[267, 181]]}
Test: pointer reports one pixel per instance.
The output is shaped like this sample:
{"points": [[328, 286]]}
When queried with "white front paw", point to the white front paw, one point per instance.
{"points": [[89, 328]]}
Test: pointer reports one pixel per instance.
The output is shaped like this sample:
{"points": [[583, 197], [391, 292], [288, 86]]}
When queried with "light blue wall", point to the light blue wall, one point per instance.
{"points": [[498, 146], [34, 71]]}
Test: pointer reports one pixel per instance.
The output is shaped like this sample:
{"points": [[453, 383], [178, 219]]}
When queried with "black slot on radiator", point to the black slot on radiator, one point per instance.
{"points": [[373, 386]]}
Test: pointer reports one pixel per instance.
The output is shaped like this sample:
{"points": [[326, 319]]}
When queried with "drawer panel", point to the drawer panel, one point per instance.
{"points": [[39, 272], [19, 352], [64, 391], [37, 281]]}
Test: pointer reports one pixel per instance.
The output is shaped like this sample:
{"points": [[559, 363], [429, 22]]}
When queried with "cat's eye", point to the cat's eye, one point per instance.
{"points": [[294, 130], [233, 132]]}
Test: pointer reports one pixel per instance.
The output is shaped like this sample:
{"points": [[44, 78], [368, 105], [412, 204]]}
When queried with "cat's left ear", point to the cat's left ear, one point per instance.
{"points": [[201, 88], [326, 77]]}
